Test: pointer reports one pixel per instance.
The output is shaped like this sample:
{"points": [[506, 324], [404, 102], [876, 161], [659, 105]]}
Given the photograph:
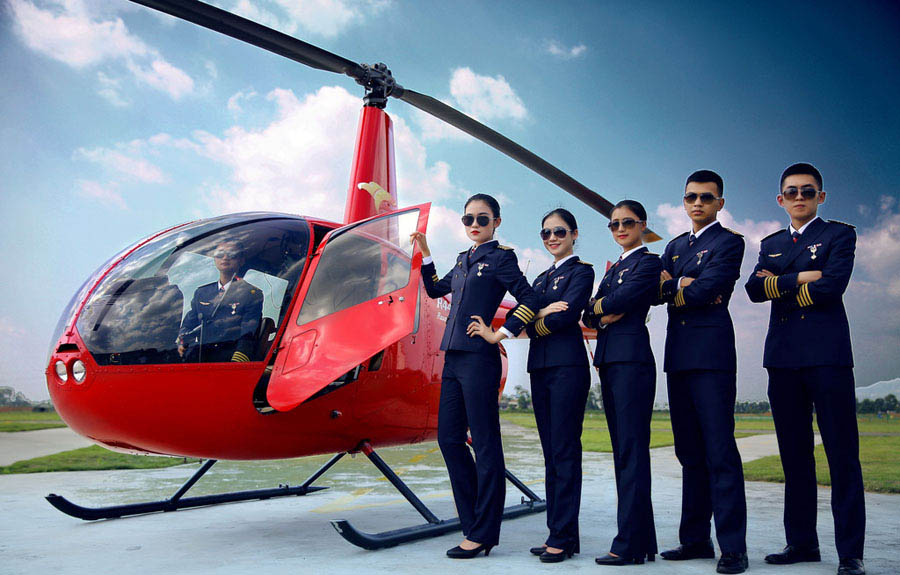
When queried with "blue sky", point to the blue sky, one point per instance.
{"points": [[118, 122]]}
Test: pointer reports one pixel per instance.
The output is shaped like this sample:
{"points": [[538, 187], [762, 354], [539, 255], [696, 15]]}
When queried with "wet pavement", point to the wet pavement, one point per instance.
{"points": [[293, 534]]}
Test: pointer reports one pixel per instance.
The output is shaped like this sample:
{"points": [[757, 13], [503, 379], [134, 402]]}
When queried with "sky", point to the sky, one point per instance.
{"points": [[117, 122]]}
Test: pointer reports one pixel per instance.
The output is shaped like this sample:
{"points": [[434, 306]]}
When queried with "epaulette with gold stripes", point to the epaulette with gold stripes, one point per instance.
{"points": [[500, 247], [732, 231], [652, 254], [585, 263], [775, 233], [844, 223]]}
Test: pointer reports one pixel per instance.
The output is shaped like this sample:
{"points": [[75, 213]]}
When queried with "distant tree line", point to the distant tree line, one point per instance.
{"points": [[880, 405], [522, 400]]}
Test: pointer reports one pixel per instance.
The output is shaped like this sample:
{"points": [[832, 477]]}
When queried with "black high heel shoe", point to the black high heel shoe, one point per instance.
{"points": [[613, 560], [566, 553], [460, 553], [538, 550]]}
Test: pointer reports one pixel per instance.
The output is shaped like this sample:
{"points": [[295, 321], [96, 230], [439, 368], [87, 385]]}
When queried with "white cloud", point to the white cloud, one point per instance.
{"points": [[103, 194], [82, 37], [325, 18], [300, 162], [561, 51], [878, 251], [110, 89], [126, 160], [234, 102], [481, 97], [485, 97]]}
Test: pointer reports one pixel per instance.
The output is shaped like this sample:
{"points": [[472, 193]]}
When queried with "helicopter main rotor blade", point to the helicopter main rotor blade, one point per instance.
{"points": [[500, 142], [256, 34], [377, 77]]}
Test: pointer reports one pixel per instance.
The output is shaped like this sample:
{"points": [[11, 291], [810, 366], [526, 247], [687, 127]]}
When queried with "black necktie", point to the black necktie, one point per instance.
{"points": [[796, 236], [691, 239]]}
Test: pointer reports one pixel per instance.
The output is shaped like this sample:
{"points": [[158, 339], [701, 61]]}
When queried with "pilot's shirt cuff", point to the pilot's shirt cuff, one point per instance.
{"points": [[427, 260], [507, 333]]}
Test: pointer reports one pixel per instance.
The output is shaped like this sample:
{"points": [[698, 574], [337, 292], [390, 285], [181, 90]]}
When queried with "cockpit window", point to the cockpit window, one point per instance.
{"points": [[212, 291]]}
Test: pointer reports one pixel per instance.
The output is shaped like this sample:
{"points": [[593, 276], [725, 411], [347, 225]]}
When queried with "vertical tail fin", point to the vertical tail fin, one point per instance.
{"points": [[373, 180]]}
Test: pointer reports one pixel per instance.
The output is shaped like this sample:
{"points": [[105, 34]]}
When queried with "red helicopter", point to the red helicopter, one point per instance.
{"points": [[343, 357]]}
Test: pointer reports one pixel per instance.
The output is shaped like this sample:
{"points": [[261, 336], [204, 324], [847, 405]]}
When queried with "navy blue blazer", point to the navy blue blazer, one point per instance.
{"points": [[630, 287], [557, 339], [478, 284], [700, 333], [807, 324], [234, 318]]}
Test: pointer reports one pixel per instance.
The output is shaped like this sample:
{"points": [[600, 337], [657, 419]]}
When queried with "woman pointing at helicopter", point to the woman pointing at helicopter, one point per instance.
{"points": [[470, 382]]}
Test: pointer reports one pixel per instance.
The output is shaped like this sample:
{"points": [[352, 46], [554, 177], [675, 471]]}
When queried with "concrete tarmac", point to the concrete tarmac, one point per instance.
{"points": [[20, 445], [292, 535]]}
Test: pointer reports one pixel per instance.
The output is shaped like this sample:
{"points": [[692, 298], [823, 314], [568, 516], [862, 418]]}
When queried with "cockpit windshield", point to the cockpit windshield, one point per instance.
{"points": [[212, 291]]}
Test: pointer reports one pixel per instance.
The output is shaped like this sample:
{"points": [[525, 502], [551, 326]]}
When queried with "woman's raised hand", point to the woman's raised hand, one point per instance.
{"points": [[419, 237]]}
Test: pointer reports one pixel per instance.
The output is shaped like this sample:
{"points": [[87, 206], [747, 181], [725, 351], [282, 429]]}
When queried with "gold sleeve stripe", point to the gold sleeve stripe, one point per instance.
{"points": [[679, 297], [661, 283], [775, 286], [598, 307], [239, 356], [541, 328], [522, 315], [526, 310], [766, 288], [803, 297], [435, 278]]}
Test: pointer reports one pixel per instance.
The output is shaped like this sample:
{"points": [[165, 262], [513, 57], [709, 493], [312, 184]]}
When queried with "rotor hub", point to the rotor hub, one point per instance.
{"points": [[379, 85]]}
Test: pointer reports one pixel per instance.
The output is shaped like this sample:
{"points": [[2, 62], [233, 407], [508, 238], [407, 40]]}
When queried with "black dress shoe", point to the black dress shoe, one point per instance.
{"points": [[792, 554], [613, 560], [460, 553], [693, 551], [732, 563], [537, 550], [852, 567], [567, 551]]}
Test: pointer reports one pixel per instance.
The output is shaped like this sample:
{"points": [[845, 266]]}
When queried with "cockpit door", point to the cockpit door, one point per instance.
{"points": [[358, 297]]}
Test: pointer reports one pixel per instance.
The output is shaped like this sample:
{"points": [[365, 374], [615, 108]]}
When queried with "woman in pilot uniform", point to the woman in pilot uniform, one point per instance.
{"points": [[470, 383], [560, 380], [628, 379]]}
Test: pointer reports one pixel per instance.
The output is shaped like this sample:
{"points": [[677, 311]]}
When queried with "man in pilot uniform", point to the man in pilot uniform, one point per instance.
{"points": [[804, 270], [700, 268], [224, 316]]}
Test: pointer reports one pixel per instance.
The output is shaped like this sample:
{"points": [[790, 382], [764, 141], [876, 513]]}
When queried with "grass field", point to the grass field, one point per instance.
{"points": [[27, 420], [877, 455], [89, 459], [595, 436]]}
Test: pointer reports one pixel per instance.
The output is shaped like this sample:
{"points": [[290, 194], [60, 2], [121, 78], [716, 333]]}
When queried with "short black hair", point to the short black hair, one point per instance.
{"points": [[706, 176], [801, 168], [489, 200], [563, 213], [633, 205]]}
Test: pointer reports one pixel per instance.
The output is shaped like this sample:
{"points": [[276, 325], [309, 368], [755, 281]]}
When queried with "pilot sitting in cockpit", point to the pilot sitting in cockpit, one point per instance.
{"points": [[224, 316]]}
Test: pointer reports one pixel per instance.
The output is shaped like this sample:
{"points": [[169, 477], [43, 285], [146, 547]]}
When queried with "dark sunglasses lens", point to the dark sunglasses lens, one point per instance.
{"points": [[468, 220], [483, 220], [613, 226], [808, 193], [545, 234], [705, 197], [560, 232]]}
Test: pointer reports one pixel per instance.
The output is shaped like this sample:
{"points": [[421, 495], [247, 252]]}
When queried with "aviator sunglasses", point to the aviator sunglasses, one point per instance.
{"points": [[705, 197], [808, 193], [226, 254], [626, 224], [559, 231], [469, 219]]}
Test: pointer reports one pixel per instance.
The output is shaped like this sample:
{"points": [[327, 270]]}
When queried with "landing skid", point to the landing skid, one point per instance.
{"points": [[435, 526], [178, 501]]}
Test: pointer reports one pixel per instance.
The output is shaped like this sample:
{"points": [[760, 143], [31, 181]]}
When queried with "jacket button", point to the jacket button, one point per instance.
{"points": [[683, 322], [802, 317]]}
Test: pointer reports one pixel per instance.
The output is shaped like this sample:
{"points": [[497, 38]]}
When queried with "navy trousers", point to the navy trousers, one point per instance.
{"points": [[628, 392], [559, 395], [701, 405], [831, 390], [470, 387]]}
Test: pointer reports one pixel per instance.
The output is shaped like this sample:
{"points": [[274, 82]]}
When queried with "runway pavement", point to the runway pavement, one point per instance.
{"points": [[293, 535]]}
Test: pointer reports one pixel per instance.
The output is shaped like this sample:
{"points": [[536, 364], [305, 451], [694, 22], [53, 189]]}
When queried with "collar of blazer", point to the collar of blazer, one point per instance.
{"points": [[809, 235]]}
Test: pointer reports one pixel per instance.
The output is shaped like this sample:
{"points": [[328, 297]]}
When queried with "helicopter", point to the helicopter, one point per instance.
{"points": [[342, 354]]}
